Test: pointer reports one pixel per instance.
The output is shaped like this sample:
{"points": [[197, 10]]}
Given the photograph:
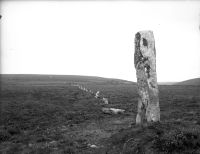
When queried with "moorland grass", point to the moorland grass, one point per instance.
{"points": [[48, 115]]}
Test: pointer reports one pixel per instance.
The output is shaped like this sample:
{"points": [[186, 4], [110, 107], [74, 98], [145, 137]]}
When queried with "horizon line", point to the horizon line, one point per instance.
{"points": [[92, 76]]}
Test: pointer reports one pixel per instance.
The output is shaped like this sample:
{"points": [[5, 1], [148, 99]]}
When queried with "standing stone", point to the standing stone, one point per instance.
{"points": [[145, 65]]}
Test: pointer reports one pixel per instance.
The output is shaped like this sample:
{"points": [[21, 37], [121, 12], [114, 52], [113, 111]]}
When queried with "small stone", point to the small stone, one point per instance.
{"points": [[30, 144], [112, 111], [53, 143], [92, 146]]}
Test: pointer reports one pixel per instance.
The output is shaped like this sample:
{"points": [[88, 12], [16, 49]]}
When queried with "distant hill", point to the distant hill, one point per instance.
{"points": [[37, 78], [167, 83], [62, 78], [195, 82]]}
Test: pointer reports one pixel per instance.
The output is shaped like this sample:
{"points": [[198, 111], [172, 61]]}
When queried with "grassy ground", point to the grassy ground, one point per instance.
{"points": [[46, 114]]}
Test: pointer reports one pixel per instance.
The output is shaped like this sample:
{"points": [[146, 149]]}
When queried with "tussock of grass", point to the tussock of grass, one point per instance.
{"points": [[165, 137], [178, 141], [4, 136]]}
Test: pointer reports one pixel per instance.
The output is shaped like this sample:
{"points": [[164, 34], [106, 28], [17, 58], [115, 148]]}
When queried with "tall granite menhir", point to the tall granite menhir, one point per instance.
{"points": [[145, 64]]}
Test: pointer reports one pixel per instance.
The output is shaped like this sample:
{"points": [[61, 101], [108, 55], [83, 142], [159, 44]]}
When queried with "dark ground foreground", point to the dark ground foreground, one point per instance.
{"points": [[46, 114]]}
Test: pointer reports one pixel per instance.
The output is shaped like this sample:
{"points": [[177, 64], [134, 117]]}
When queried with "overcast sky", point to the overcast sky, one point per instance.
{"points": [[97, 38]]}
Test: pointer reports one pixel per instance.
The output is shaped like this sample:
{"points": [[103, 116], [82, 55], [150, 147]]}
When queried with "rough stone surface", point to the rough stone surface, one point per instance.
{"points": [[145, 65], [112, 110]]}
